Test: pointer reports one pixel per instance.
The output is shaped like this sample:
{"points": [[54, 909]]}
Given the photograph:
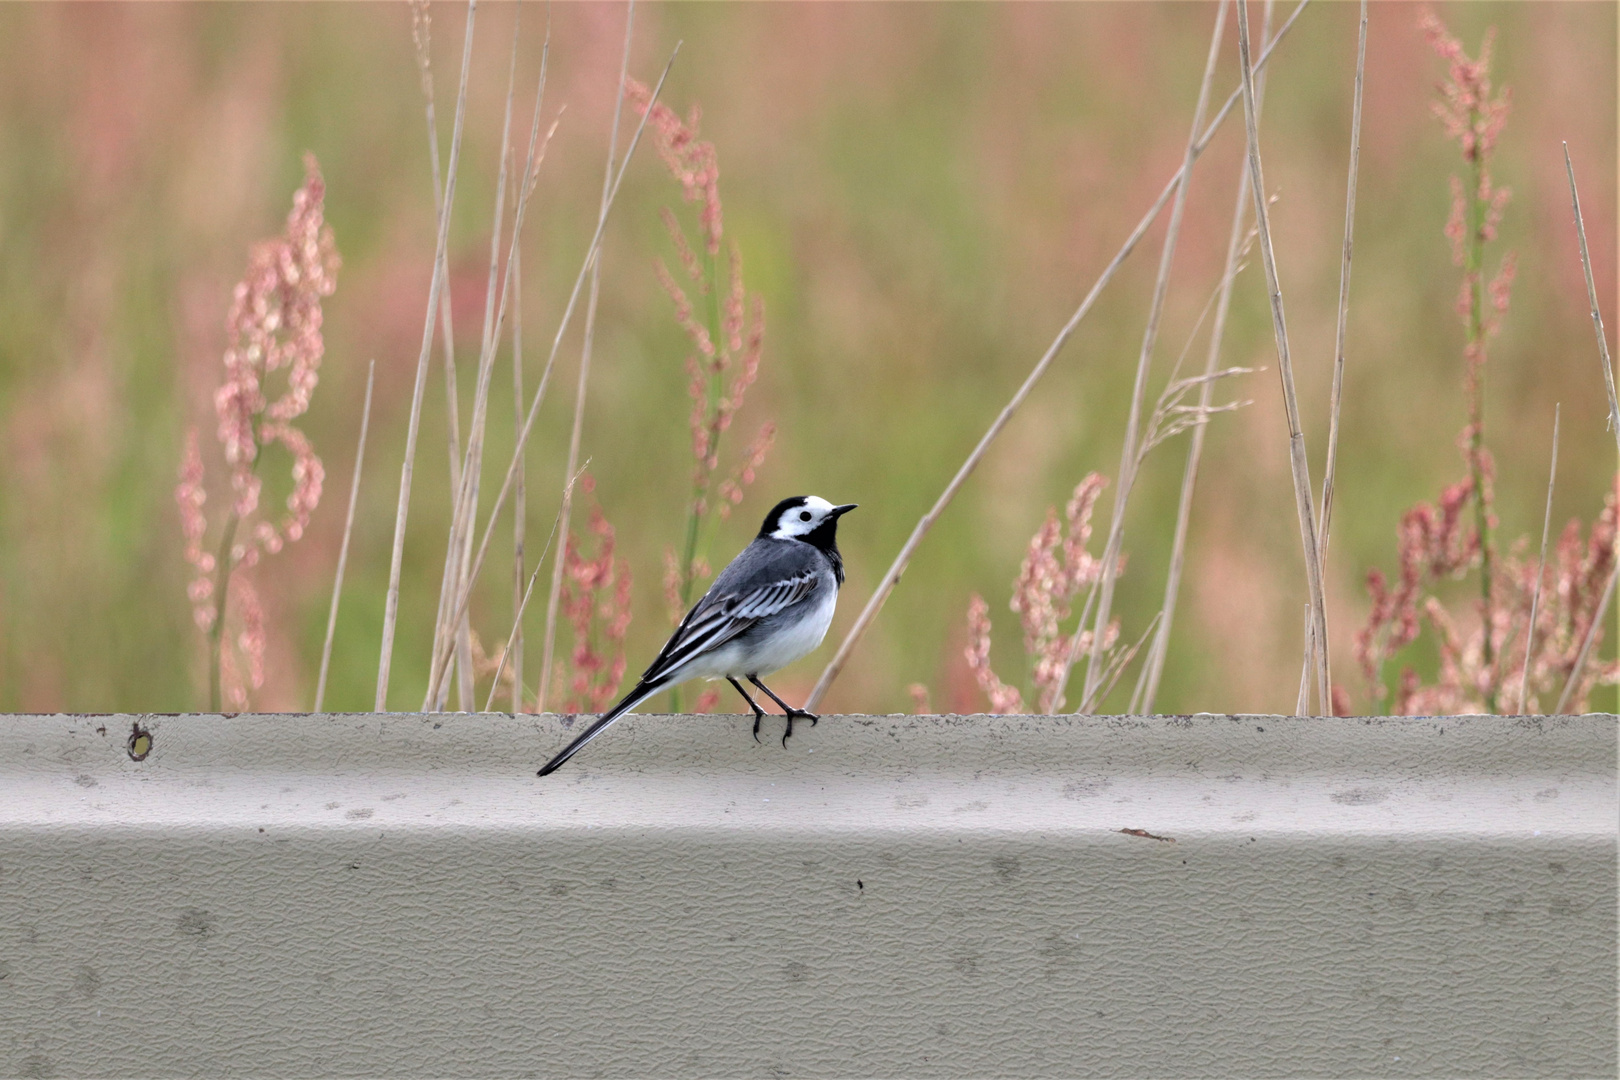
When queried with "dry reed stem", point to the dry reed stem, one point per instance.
{"points": [[1128, 457], [891, 577], [1614, 419], [421, 33], [520, 502], [459, 578], [1344, 293], [1586, 645], [396, 559], [343, 549], [520, 494], [1338, 356], [1304, 698], [552, 598], [1117, 668], [562, 327], [1591, 297], [466, 671], [513, 642], [456, 548], [1236, 242], [1317, 642], [517, 617], [1190, 416], [1541, 569]]}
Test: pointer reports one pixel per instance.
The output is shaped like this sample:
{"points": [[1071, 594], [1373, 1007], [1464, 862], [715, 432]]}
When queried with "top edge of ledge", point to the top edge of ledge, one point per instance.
{"points": [[1201, 744]]}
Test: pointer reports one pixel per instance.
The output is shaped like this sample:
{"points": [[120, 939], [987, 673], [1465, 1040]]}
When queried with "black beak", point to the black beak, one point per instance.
{"points": [[840, 511]]}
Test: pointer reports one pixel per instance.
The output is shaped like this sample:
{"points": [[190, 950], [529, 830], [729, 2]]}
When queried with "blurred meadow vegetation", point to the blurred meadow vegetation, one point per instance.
{"points": [[920, 193]]}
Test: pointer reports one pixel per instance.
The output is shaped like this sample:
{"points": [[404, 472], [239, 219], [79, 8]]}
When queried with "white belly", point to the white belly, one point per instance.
{"points": [[742, 656]]}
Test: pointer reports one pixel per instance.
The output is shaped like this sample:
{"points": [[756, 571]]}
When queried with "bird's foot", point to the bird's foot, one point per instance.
{"points": [[759, 714], [797, 714]]}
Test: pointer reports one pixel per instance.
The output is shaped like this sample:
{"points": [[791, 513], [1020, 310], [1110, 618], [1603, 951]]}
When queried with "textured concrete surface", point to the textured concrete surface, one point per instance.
{"points": [[398, 895]]}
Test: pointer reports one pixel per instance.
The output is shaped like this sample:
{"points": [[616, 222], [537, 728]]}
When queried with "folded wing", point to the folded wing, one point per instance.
{"points": [[722, 614]]}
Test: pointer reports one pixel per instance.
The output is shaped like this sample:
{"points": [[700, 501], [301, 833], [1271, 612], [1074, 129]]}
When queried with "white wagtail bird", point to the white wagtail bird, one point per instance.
{"points": [[769, 607]]}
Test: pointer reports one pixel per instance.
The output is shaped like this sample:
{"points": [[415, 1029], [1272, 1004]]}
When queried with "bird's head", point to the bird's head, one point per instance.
{"points": [[805, 517]]}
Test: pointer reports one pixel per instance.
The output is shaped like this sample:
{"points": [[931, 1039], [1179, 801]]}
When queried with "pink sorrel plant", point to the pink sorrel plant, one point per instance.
{"points": [[1481, 665], [1055, 568], [1436, 545], [595, 600], [274, 324], [727, 330], [1475, 120]]}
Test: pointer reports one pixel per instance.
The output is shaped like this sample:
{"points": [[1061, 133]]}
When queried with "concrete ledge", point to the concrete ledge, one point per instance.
{"points": [[397, 894]]}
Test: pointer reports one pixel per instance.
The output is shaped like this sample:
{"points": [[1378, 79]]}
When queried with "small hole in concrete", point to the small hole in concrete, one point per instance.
{"points": [[140, 742]]}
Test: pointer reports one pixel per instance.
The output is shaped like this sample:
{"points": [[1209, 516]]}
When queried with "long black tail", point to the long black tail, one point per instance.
{"points": [[641, 693]]}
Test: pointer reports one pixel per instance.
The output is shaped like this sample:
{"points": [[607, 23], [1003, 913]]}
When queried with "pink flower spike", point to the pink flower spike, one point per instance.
{"points": [[1501, 285], [1003, 698], [273, 324]]}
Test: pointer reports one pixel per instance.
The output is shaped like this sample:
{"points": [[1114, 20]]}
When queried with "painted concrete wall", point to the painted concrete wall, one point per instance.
{"points": [[933, 896]]}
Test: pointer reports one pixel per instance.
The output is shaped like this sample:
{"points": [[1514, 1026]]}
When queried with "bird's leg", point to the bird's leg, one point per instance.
{"points": [[792, 713], [759, 713], [796, 714]]}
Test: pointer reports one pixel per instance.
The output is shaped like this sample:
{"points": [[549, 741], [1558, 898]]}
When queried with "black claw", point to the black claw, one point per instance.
{"points": [[759, 713], [788, 731]]}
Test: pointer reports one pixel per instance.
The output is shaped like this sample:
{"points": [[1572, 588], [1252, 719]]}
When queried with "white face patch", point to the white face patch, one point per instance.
{"points": [[801, 520]]}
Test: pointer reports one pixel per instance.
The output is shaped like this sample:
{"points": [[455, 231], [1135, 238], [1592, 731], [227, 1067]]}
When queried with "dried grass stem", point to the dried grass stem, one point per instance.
{"points": [[396, 559], [565, 516], [1129, 457], [891, 577], [343, 549], [1318, 640], [1541, 569]]}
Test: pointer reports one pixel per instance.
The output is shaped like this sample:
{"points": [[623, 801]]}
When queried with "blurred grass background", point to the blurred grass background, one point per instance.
{"points": [[922, 193]]}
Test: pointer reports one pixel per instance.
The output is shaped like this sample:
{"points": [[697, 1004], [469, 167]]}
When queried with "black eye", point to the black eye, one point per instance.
{"points": [[804, 515]]}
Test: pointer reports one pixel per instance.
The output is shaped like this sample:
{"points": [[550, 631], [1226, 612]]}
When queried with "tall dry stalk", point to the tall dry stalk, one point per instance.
{"points": [[1128, 457], [1318, 640], [1344, 290], [925, 524], [1591, 297], [343, 549], [520, 505], [1153, 665], [1614, 422], [396, 558], [1592, 632], [515, 637], [464, 517], [569, 308], [1541, 565], [466, 671], [1338, 357], [566, 514], [421, 35]]}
